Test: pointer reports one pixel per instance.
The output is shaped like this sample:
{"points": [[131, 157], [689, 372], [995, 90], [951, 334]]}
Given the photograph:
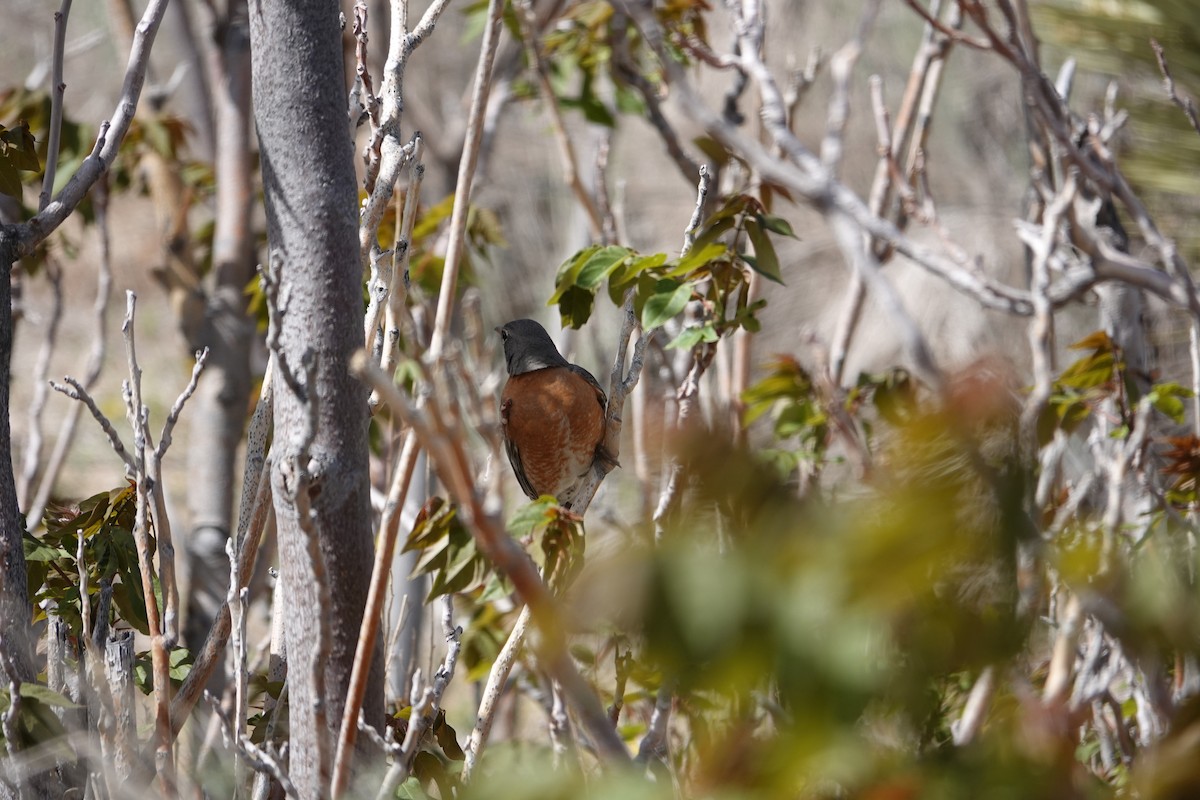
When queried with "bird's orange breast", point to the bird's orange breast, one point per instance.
{"points": [[556, 421]]}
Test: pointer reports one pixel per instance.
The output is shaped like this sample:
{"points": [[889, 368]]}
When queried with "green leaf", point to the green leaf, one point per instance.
{"points": [[697, 257], [44, 694], [37, 550], [669, 299], [575, 307], [776, 225], [532, 515], [600, 264], [1168, 398], [690, 337], [10, 181], [629, 271], [568, 272], [735, 205], [766, 262], [716, 152], [411, 790], [179, 663]]}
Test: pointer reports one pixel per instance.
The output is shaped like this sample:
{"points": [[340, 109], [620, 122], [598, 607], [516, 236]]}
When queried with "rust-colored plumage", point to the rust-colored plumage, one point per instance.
{"points": [[552, 415]]}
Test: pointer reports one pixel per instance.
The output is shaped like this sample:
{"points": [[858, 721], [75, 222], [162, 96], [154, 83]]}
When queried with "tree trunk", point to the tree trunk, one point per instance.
{"points": [[14, 594], [218, 411], [300, 104]]}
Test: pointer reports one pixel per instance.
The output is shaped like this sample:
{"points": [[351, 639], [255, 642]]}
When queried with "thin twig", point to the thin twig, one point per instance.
{"points": [[260, 758], [58, 89], [1185, 103], [570, 164], [1041, 327], [426, 710], [74, 390], [389, 527], [99, 338], [136, 412], [466, 174], [492, 690], [210, 655], [37, 405], [47, 220]]}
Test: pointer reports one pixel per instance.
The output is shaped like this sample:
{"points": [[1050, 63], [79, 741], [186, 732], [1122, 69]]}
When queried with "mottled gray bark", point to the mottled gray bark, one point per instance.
{"points": [[14, 595], [311, 192]]}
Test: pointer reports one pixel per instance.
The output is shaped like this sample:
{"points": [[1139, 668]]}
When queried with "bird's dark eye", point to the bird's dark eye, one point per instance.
{"points": [[503, 335]]}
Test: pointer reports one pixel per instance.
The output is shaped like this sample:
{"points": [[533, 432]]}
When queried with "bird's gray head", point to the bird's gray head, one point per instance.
{"points": [[527, 347]]}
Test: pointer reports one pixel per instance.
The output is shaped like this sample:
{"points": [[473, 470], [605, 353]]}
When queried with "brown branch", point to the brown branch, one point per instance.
{"points": [[946, 30], [1185, 103], [466, 175], [566, 148], [389, 526], [142, 446]]}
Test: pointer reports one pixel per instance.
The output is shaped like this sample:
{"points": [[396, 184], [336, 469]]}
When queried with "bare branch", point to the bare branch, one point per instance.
{"points": [[75, 391], [425, 711], [57, 89], [466, 175], [1185, 103], [33, 443], [492, 690], [570, 164], [261, 759], [99, 339], [49, 218], [164, 440], [389, 528], [1041, 327]]}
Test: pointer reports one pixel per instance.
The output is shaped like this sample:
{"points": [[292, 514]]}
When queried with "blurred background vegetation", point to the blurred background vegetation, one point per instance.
{"points": [[856, 597]]}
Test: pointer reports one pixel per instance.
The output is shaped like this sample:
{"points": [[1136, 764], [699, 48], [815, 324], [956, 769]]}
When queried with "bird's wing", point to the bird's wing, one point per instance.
{"points": [[514, 455], [591, 379], [602, 453]]}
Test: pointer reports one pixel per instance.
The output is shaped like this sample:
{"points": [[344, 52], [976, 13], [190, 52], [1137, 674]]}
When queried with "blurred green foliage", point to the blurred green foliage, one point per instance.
{"points": [[822, 639]]}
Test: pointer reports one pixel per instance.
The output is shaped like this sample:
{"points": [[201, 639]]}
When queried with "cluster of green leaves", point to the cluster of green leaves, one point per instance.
{"points": [[438, 762], [447, 551], [789, 394], [1100, 376], [105, 523], [37, 724], [559, 535], [593, 46], [800, 412], [714, 271], [23, 145]]}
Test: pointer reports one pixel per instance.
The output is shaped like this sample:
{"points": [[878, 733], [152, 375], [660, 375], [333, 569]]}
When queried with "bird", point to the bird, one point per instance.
{"points": [[552, 415]]}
